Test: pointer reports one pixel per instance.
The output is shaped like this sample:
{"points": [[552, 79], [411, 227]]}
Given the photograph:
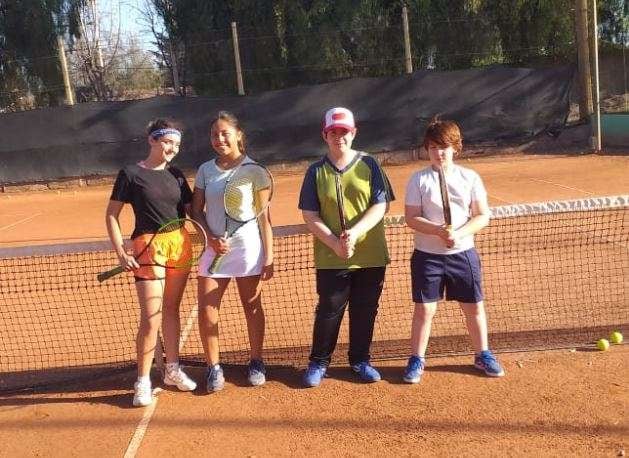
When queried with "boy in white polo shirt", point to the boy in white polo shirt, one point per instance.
{"points": [[445, 257]]}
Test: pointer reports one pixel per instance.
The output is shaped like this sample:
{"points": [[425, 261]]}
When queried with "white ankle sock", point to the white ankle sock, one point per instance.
{"points": [[172, 367]]}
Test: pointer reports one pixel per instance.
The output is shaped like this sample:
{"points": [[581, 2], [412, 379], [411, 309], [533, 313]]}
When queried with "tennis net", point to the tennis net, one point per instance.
{"points": [[555, 275]]}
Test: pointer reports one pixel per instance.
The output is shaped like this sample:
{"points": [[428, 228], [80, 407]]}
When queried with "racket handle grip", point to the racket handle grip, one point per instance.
{"points": [[449, 229], [217, 259], [110, 273], [215, 263]]}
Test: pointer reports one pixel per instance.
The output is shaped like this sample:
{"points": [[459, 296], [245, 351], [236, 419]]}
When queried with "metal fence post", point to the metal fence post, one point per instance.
{"points": [[407, 41], [583, 53], [597, 138], [241, 87]]}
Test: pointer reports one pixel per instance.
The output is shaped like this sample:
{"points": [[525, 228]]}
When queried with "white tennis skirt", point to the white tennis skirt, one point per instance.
{"points": [[244, 259]]}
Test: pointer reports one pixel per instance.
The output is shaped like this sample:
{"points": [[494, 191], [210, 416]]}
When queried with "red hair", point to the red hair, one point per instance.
{"points": [[444, 134]]}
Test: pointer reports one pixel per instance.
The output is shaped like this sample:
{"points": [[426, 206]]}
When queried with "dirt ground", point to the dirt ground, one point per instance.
{"points": [[554, 403]]}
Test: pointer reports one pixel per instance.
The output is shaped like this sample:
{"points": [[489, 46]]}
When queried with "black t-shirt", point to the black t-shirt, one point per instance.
{"points": [[157, 196]]}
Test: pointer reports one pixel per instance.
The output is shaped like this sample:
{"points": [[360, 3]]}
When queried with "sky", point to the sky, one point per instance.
{"points": [[130, 16]]}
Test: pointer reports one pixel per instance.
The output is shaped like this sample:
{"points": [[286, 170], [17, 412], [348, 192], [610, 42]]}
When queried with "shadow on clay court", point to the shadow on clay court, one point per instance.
{"points": [[588, 349], [90, 390], [236, 375], [291, 377], [116, 400], [468, 369], [87, 391], [393, 374], [361, 426]]}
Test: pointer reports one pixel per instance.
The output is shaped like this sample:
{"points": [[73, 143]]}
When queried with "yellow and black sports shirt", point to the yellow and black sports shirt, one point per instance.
{"points": [[364, 184]]}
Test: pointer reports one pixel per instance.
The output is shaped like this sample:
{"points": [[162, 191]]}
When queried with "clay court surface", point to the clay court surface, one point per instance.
{"points": [[565, 402], [78, 213]]}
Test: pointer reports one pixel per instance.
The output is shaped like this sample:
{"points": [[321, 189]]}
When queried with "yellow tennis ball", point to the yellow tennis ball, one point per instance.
{"points": [[602, 344], [615, 337]]}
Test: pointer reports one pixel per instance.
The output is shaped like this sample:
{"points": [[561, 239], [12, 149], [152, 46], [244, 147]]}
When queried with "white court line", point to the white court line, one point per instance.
{"points": [[21, 221], [140, 430], [561, 186], [192, 318], [136, 440]]}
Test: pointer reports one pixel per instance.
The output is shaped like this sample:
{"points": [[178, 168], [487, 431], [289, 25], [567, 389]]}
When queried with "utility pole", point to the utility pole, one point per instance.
{"points": [[99, 53], [583, 52], [597, 141], [175, 67], [64, 70], [408, 60], [239, 82]]}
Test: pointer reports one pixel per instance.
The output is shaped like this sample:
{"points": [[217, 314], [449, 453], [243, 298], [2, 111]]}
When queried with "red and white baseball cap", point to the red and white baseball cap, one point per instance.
{"points": [[338, 117]]}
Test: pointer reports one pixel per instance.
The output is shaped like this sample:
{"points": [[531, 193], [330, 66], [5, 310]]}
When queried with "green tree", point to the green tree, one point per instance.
{"points": [[291, 42], [284, 42], [451, 35], [325, 41], [534, 32], [28, 49], [614, 21]]}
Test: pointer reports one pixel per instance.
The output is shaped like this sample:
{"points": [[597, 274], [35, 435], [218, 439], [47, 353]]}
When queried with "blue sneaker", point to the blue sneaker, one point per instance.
{"points": [[314, 374], [414, 369], [215, 380], [486, 361], [256, 372], [366, 372]]}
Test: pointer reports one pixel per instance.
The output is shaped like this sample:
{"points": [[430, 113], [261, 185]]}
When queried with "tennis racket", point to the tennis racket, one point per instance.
{"points": [[177, 244], [445, 199], [248, 193], [340, 203]]}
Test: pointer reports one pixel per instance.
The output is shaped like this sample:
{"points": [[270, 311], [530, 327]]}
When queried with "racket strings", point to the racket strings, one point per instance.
{"points": [[173, 226], [248, 193], [182, 243], [198, 243], [245, 197], [177, 244], [194, 243], [240, 199]]}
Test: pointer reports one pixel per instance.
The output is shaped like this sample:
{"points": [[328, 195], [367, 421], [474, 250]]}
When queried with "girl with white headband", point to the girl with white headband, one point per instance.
{"points": [[158, 193]]}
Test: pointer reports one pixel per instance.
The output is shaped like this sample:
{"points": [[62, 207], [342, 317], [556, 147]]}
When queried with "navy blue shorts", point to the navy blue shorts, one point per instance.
{"points": [[458, 274]]}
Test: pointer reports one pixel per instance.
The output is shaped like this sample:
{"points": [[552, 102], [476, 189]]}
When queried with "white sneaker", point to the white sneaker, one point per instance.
{"points": [[143, 394], [180, 379]]}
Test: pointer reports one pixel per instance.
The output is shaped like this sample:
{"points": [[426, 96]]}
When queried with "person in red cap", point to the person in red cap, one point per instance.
{"points": [[343, 199]]}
